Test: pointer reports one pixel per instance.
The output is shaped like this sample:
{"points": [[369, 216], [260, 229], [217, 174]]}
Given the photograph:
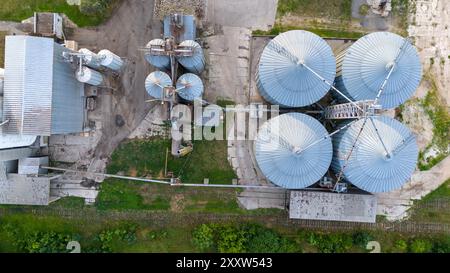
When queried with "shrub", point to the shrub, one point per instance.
{"points": [[361, 238], [442, 245], [44, 242], [420, 246], [331, 243], [401, 246], [264, 240], [92, 7], [203, 237], [231, 240], [106, 238]]}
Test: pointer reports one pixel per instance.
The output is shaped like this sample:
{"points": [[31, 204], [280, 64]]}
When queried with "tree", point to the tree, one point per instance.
{"points": [[203, 237]]}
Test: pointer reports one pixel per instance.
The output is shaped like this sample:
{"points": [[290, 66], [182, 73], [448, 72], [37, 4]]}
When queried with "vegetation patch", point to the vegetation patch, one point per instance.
{"points": [[401, 10], [322, 32], [2, 48], [436, 109], [434, 207], [89, 13], [147, 158], [312, 8]]}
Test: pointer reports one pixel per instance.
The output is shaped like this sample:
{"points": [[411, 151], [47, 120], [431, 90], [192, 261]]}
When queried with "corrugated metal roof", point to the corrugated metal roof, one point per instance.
{"points": [[160, 62], [195, 63], [191, 87], [283, 82], [363, 67], [278, 150], [155, 82], [368, 167], [41, 94], [186, 32]]}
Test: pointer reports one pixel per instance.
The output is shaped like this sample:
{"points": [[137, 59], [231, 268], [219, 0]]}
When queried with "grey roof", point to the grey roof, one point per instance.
{"points": [[363, 67], [278, 150], [41, 93], [314, 205], [368, 167], [22, 190], [155, 83], [286, 83], [191, 87], [13, 141], [186, 32], [196, 62]]}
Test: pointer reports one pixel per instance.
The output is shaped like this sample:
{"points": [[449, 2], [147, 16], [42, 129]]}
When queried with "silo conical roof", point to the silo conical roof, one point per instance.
{"points": [[280, 155], [369, 167], [190, 87], [155, 83], [196, 62], [286, 83], [367, 63]]}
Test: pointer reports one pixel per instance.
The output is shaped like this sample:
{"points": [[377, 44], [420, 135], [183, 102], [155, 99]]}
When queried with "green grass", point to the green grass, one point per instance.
{"points": [[12, 10], [146, 158], [438, 213], [322, 32], [313, 8], [2, 48]]}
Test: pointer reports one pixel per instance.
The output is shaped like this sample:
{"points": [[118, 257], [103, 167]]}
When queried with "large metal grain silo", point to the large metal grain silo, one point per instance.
{"points": [[155, 83], [284, 152], [282, 78], [161, 62], [196, 62], [190, 87], [363, 67], [384, 157]]}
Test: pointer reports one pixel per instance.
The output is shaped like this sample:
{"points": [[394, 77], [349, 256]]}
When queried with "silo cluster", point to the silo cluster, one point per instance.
{"points": [[189, 54], [374, 153], [194, 63], [91, 65]]}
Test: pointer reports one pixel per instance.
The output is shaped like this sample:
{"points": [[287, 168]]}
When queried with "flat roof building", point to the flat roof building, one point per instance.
{"points": [[318, 205]]}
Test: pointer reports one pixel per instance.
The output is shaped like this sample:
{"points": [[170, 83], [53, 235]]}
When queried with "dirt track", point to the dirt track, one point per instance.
{"points": [[129, 29]]}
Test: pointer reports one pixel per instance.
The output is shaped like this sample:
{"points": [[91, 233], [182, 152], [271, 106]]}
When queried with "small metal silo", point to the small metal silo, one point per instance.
{"points": [[284, 152], [162, 62], [196, 62], [384, 157], [363, 67], [89, 76], [155, 83], [110, 60], [190, 87], [90, 58], [282, 78]]}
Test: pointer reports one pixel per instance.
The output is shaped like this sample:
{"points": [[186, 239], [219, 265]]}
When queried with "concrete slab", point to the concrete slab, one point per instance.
{"points": [[253, 14]]}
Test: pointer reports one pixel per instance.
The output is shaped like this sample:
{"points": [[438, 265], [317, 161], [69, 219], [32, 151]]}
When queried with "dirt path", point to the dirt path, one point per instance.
{"points": [[129, 29]]}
